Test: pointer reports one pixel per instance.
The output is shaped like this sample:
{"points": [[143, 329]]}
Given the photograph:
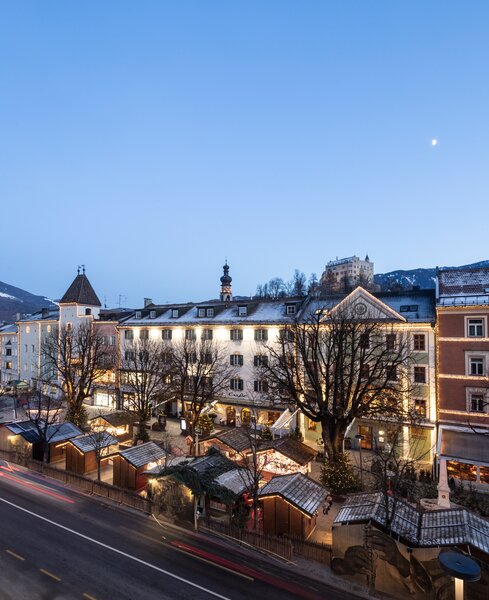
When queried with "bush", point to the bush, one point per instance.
{"points": [[266, 434], [469, 498], [339, 477]]}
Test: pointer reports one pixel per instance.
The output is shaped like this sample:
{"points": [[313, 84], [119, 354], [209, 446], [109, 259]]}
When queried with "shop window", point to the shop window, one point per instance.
{"points": [[420, 408], [484, 474], [461, 470]]}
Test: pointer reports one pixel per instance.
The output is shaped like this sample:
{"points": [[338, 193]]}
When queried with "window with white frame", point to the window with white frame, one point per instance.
{"points": [[144, 334], [190, 334], [475, 327], [209, 312], [259, 385], [261, 335], [201, 312], [477, 403], [174, 313], [128, 334], [236, 335], [419, 342], [236, 384], [419, 374], [476, 366], [242, 311], [152, 314], [236, 360], [138, 314], [260, 360], [291, 309]]}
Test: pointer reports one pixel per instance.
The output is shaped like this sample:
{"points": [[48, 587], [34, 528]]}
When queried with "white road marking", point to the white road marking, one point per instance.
{"points": [[120, 552]]}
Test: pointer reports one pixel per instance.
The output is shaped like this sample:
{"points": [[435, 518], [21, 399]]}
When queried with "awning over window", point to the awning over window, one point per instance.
{"points": [[465, 446], [284, 419]]}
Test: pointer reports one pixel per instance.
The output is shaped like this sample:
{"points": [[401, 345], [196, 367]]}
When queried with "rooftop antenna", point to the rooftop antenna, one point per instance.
{"points": [[83, 269], [78, 270]]}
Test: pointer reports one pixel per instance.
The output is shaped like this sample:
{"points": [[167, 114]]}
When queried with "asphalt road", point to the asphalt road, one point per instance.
{"points": [[56, 543]]}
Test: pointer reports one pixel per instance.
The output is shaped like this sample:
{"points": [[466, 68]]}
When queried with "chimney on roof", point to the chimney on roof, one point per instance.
{"points": [[147, 302], [17, 316]]}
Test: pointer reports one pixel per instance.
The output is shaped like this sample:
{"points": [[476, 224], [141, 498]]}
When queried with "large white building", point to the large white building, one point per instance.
{"points": [[9, 355]]}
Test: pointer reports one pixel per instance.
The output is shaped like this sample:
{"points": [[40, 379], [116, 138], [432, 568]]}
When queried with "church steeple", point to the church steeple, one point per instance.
{"points": [[226, 284]]}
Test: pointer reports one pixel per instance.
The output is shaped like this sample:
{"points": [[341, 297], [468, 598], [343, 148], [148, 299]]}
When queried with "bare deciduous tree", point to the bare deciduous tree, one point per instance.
{"points": [[45, 413], [145, 377], [200, 371], [74, 359], [336, 367]]}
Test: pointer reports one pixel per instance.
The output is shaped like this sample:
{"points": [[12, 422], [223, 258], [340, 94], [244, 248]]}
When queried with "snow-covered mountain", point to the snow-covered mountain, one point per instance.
{"points": [[424, 278], [13, 300]]}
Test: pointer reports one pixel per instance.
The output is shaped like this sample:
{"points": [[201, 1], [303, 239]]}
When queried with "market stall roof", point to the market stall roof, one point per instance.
{"points": [[304, 493], [92, 441], [141, 455], [465, 446], [236, 481], [55, 433], [300, 453], [117, 418], [424, 529], [237, 439]]}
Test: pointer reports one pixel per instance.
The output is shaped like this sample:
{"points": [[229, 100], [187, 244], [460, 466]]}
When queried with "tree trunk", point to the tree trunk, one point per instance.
{"points": [[99, 469], [333, 437]]}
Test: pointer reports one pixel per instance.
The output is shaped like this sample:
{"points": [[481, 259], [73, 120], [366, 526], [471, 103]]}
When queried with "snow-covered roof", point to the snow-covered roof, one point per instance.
{"points": [[50, 314], [424, 529], [10, 328], [304, 493], [236, 481], [92, 441], [141, 455], [258, 312], [463, 286]]}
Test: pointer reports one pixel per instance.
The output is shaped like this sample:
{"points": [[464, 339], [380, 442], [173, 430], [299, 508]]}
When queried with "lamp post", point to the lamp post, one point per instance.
{"points": [[462, 568], [360, 438]]}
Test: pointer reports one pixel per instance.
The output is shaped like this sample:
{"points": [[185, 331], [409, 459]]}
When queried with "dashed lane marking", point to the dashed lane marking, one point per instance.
{"points": [[117, 551], [14, 554], [49, 574]]}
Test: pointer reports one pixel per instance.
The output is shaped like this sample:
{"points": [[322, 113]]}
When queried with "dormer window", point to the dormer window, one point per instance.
{"points": [[209, 312], [201, 312], [174, 313], [152, 314], [242, 311], [290, 309], [138, 314]]}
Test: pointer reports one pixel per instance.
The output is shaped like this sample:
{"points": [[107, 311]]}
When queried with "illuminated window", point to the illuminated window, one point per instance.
{"points": [[311, 425], [420, 408]]}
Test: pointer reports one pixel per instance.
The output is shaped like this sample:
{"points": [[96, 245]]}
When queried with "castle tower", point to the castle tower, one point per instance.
{"points": [[226, 284]]}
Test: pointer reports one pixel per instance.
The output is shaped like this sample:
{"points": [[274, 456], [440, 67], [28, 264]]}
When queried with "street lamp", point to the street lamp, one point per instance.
{"points": [[360, 438], [462, 568]]}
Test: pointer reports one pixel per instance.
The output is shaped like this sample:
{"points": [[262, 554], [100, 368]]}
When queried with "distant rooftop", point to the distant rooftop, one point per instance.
{"points": [[463, 286]]}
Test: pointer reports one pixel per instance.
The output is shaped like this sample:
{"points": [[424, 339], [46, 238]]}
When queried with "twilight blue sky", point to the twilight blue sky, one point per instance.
{"points": [[150, 140]]}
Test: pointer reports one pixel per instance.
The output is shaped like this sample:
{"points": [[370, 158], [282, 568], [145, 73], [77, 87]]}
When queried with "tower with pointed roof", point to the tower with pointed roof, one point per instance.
{"points": [[79, 301], [226, 294]]}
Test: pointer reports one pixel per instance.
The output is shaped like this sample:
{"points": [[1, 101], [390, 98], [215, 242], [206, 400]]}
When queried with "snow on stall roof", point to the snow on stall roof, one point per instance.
{"points": [[424, 529], [236, 481], [92, 441], [304, 493], [143, 454]]}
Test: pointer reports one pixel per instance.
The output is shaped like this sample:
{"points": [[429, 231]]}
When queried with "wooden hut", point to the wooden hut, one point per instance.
{"points": [[118, 424], [81, 452], [25, 438], [290, 504], [129, 465]]}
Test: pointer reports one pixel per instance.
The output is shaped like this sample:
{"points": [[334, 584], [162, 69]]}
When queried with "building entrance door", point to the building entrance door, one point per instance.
{"points": [[230, 416], [366, 431]]}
